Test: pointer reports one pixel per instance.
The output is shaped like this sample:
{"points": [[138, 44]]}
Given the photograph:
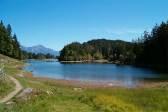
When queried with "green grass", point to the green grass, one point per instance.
{"points": [[65, 99], [135, 100], [6, 87]]}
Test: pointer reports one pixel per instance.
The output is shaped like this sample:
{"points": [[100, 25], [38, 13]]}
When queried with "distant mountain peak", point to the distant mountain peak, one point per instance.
{"points": [[40, 49], [38, 46]]}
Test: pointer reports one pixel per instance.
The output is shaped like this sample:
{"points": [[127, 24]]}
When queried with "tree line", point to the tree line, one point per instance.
{"points": [[10, 46], [29, 55], [150, 50], [111, 50]]}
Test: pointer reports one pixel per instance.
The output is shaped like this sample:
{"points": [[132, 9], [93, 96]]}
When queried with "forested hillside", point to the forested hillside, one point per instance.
{"points": [[112, 50], [9, 44], [150, 50]]}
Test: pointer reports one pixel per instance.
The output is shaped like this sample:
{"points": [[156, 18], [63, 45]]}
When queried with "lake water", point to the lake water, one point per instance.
{"points": [[90, 71]]}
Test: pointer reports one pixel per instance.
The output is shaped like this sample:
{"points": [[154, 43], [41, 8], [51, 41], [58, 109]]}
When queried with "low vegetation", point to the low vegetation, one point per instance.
{"points": [[6, 87]]}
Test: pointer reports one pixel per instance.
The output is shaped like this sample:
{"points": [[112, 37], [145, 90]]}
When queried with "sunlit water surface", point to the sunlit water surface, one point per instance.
{"points": [[129, 75]]}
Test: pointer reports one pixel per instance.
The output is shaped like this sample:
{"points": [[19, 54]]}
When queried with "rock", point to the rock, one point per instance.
{"points": [[25, 91], [77, 89], [49, 92], [20, 75], [28, 90], [110, 84], [10, 102], [24, 95]]}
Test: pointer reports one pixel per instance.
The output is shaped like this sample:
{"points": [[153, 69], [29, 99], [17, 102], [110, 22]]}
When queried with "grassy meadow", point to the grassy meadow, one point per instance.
{"points": [[50, 96]]}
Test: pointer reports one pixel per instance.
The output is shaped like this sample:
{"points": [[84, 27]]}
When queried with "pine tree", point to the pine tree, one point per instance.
{"points": [[16, 50], [9, 44]]}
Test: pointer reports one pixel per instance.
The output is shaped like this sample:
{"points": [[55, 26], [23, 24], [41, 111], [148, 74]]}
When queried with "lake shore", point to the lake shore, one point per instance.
{"points": [[47, 93], [146, 83], [92, 61], [131, 82]]}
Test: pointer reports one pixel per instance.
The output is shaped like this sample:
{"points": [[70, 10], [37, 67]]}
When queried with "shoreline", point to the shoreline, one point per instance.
{"points": [[98, 84], [93, 61], [83, 61], [146, 83], [76, 83], [80, 61]]}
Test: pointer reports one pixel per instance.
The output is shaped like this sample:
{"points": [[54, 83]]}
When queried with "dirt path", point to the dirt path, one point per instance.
{"points": [[18, 88]]}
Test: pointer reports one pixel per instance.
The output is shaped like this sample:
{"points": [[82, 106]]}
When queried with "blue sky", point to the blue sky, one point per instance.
{"points": [[55, 23]]}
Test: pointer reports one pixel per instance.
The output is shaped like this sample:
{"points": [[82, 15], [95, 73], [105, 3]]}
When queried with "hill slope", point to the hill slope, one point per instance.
{"points": [[111, 50]]}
